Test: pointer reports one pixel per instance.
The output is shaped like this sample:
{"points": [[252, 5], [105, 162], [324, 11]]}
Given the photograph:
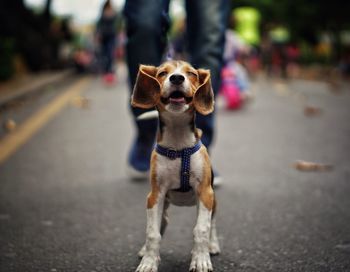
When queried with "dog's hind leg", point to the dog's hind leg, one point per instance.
{"points": [[214, 247], [165, 218]]}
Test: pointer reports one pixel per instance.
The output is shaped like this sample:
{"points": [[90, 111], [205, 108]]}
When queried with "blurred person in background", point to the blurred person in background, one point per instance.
{"points": [[279, 36], [234, 77], [106, 30], [293, 54], [147, 25]]}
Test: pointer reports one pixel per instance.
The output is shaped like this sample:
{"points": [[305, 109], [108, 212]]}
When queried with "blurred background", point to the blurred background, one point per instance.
{"points": [[282, 140], [280, 38]]}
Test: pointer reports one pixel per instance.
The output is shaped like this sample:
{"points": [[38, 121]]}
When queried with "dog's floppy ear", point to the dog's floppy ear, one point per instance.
{"points": [[146, 92], [203, 99]]}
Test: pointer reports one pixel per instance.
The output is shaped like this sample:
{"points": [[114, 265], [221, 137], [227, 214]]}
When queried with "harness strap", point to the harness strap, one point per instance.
{"points": [[185, 155]]}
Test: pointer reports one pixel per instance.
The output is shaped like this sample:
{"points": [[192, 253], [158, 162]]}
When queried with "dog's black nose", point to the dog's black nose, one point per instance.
{"points": [[177, 79]]}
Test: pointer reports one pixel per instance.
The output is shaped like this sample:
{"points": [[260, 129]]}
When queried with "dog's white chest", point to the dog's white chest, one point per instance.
{"points": [[169, 176]]}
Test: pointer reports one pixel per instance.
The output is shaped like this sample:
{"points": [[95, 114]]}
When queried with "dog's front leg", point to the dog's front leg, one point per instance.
{"points": [[200, 253], [151, 258]]}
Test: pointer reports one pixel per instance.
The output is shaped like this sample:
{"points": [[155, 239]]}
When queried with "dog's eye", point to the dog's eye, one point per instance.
{"points": [[192, 74], [163, 74]]}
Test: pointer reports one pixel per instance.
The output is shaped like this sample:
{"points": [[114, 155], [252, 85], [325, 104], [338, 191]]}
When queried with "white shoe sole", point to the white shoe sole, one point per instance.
{"points": [[217, 181], [134, 174]]}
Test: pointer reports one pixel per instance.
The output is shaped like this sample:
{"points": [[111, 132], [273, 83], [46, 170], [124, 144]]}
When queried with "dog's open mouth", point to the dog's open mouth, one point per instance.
{"points": [[177, 97]]}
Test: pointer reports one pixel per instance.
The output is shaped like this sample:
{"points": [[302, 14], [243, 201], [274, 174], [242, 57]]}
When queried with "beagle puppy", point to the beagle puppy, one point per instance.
{"points": [[180, 171]]}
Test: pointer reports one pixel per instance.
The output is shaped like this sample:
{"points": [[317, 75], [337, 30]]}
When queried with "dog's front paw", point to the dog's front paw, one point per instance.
{"points": [[201, 263], [148, 264]]}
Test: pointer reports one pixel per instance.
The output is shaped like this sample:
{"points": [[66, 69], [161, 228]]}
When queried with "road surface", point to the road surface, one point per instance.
{"points": [[66, 203]]}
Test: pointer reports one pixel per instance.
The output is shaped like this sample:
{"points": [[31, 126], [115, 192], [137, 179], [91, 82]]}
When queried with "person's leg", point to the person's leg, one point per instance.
{"points": [[107, 48], [104, 55], [206, 25], [147, 24], [110, 56]]}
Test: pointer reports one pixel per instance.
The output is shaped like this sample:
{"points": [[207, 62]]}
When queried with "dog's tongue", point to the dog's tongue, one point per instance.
{"points": [[177, 100]]}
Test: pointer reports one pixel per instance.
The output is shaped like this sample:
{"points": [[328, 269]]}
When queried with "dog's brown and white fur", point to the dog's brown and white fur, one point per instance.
{"points": [[177, 90]]}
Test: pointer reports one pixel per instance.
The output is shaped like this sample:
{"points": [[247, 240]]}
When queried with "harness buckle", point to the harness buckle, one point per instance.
{"points": [[171, 154]]}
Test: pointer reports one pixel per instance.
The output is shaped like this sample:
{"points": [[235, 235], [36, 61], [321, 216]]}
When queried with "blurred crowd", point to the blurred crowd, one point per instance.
{"points": [[40, 41]]}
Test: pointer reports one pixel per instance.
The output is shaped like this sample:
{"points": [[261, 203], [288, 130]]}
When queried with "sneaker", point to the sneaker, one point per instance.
{"points": [[217, 182], [141, 149], [109, 79]]}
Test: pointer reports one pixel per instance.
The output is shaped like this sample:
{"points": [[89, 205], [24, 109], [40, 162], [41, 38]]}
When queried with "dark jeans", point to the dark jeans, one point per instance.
{"points": [[107, 52], [147, 25]]}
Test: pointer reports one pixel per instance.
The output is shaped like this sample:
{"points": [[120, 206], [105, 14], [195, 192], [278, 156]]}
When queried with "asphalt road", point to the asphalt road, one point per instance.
{"points": [[66, 203]]}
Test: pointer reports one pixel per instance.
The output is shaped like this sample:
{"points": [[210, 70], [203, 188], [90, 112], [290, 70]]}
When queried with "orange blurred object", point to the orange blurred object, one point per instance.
{"points": [[312, 166]]}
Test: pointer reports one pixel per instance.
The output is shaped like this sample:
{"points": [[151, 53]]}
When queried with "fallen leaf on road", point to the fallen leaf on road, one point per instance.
{"points": [[81, 102], [312, 166], [9, 125], [312, 111]]}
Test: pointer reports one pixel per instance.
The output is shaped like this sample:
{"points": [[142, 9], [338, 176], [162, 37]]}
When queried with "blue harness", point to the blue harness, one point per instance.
{"points": [[185, 155]]}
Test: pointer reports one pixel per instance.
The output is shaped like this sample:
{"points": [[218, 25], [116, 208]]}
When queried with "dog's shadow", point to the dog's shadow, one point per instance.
{"points": [[170, 264]]}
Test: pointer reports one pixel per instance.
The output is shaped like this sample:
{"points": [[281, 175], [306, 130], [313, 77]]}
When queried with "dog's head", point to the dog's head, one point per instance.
{"points": [[174, 86]]}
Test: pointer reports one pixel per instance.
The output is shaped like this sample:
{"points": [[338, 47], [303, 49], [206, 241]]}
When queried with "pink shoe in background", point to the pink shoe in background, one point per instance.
{"points": [[109, 79]]}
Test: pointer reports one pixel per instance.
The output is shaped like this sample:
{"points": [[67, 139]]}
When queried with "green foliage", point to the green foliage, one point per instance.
{"points": [[305, 18]]}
